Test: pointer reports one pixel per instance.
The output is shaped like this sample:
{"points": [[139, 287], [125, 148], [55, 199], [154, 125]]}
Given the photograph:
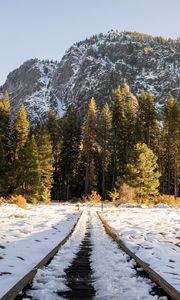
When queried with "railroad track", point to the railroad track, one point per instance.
{"points": [[28, 278], [169, 290], [89, 273]]}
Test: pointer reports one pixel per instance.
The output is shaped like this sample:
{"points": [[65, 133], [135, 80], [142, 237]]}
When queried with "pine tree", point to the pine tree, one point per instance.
{"points": [[20, 132], [171, 158], [119, 134], [28, 172], [131, 121], [5, 102], [70, 151], [3, 171], [104, 140], [54, 126], [4, 119], [4, 141], [147, 122], [46, 161], [142, 172], [89, 145]]}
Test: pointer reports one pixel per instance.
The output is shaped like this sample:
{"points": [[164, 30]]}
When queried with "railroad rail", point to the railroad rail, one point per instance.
{"points": [[155, 277], [28, 278]]}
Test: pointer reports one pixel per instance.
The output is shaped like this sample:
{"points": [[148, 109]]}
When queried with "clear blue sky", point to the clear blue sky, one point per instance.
{"points": [[46, 28]]}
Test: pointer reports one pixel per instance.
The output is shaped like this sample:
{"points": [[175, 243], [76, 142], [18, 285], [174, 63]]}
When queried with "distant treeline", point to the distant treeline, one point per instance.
{"points": [[122, 147]]}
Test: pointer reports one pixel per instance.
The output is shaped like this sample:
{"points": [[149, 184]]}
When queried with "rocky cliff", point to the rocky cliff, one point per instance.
{"points": [[92, 68]]}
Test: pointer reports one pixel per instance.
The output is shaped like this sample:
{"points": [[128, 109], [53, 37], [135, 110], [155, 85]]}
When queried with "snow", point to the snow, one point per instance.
{"points": [[114, 276], [153, 234], [39, 103], [101, 55], [90, 67], [51, 279], [27, 236], [60, 108]]}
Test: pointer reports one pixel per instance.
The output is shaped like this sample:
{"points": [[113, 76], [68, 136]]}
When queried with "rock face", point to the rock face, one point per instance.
{"points": [[95, 66], [92, 68], [30, 85]]}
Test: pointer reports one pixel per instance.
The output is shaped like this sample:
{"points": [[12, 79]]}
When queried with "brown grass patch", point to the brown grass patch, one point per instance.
{"points": [[168, 199], [1, 200], [19, 200]]}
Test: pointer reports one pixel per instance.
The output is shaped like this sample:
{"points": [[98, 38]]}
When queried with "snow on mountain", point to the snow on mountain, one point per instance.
{"points": [[93, 67], [98, 64], [30, 85]]}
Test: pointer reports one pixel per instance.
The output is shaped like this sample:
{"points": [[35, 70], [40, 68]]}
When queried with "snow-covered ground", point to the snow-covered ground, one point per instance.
{"points": [[51, 279], [26, 236], [114, 276], [153, 234]]}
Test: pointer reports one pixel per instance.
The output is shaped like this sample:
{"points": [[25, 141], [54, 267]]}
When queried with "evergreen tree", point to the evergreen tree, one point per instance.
{"points": [[147, 123], [5, 102], [3, 171], [4, 141], [54, 126], [46, 161], [19, 132], [119, 135], [131, 121], [28, 168], [17, 139], [171, 158], [89, 146], [142, 172], [102, 155], [70, 151], [104, 140], [4, 119], [55, 131]]}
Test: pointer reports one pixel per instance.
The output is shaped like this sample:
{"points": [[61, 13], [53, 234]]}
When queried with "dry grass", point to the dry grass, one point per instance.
{"points": [[115, 211], [114, 196], [168, 199], [127, 194], [19, 216], [94, 197], [19, 200], [2, 200]]}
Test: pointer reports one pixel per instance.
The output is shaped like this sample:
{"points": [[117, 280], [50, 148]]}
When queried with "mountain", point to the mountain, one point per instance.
{"points": [[30, 85], [92, 68]]}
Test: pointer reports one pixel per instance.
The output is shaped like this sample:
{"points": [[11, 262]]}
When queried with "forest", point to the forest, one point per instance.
{"points": [[121, 152]]}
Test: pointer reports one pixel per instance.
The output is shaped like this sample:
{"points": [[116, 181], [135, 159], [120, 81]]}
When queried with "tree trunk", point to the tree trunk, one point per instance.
{"points": [[67, 190], [103, 174], [175, 177], [86, 188], [169, 176]]}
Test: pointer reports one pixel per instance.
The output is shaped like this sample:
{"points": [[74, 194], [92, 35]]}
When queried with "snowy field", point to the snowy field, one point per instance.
{"points": [[26, 236], [153, 234], [114, 277]]}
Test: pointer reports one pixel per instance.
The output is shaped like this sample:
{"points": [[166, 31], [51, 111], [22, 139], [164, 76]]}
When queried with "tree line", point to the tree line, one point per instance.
{"points": [[66, 158]]}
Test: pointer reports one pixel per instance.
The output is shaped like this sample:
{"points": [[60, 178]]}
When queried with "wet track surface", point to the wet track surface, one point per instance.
{"points": [[79, 274]]}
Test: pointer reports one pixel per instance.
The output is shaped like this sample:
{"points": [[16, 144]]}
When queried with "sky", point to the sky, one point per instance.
{"points": [[47, 28]]}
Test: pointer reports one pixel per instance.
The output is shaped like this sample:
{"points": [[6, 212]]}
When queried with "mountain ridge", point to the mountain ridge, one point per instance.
{"points": [[94, 67]]}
